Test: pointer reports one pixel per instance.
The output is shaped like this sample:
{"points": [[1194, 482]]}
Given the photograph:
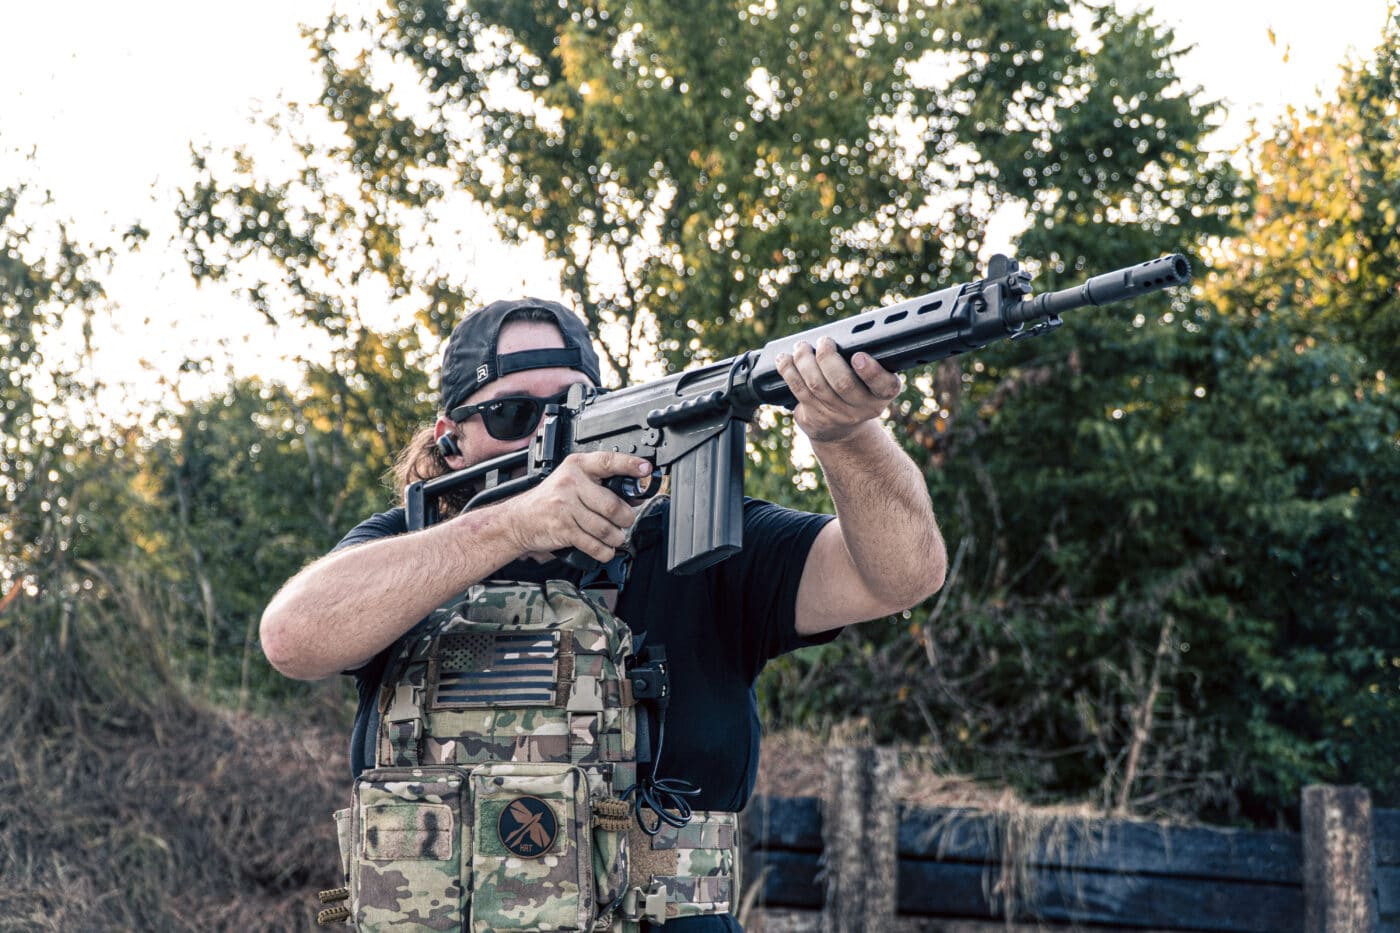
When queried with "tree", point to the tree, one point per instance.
{"points": [[1176, 536], [214, 504], [1324, 242], [1316, 268], [109, 767], [47, 282], [311, 256], [242, 490]]}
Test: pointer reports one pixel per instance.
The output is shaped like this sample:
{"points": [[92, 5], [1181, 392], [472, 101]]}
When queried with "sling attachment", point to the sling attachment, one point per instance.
{"points": [[647, 903], [336, 914], [647, 688]]}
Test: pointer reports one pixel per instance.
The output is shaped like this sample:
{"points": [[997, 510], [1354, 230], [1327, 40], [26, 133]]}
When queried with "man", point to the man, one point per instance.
{"points": [[798, 579]]}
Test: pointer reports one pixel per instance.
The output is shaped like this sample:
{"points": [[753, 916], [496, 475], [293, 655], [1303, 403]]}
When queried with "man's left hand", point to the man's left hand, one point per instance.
{"points": [[834, 397]]}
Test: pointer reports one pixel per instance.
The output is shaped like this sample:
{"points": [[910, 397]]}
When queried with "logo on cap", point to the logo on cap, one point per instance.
{"points": [[528, 827]]}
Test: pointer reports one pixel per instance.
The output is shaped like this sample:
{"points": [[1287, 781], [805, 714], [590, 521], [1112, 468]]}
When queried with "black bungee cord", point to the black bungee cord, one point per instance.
{"points": [[661, 795]]}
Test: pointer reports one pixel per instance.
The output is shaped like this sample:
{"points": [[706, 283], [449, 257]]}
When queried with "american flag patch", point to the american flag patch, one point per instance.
{"points": [[500, 669]]}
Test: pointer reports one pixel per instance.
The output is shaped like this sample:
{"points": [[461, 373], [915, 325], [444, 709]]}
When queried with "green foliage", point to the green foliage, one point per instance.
{"points": [[126, 804], [321, 250], [1317, 268], [217, 503], [1175, 535], [244, 490], [1200, 545]]}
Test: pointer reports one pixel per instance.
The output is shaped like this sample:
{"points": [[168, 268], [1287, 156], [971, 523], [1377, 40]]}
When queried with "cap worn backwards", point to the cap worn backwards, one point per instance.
{"points": [[471, 361]]}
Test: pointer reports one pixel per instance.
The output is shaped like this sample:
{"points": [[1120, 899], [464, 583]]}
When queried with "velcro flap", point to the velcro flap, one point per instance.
{"points": [[408, 831]]}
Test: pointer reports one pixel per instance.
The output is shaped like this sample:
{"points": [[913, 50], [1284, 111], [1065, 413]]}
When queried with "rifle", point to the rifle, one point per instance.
{"points": [[691, 425]]}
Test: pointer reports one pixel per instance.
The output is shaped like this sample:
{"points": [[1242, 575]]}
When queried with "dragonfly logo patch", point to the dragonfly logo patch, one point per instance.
{"points": [[528, 827]]}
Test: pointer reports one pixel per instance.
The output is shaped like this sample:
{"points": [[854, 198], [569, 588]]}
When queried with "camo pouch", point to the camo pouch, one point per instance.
{"points": [[532, 858], [407, 831]]}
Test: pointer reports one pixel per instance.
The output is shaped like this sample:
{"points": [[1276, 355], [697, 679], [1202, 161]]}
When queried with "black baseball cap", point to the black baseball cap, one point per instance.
{"points": [[471, 361]]}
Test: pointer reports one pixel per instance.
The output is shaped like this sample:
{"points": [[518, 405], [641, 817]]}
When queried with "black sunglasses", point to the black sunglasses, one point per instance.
{"points": [[510, 417]]}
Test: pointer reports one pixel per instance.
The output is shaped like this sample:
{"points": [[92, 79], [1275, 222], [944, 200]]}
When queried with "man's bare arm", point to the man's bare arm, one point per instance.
{"points": [[346, 607], [884, 553]]}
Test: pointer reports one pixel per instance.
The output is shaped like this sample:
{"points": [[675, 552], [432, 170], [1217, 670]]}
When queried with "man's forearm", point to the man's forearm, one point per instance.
{"points": [[348, 606], [885, 515]]}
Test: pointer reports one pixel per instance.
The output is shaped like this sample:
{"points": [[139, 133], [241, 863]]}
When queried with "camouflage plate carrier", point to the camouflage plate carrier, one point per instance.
{"points": [[505, 744]]}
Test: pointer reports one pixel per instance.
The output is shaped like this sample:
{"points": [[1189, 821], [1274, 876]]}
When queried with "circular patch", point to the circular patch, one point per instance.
{"points": [[527, 827]]}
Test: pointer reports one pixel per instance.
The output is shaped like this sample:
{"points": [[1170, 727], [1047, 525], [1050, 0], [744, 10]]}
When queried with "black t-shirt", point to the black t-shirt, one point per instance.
{"points": [[719, 627]]}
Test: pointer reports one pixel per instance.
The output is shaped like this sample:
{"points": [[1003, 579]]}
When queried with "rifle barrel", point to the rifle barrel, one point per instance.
{"points": [[1145, 277]]}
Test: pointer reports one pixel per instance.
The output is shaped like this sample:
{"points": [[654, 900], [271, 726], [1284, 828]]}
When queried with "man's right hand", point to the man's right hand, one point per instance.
{"points": [[573, 509]]}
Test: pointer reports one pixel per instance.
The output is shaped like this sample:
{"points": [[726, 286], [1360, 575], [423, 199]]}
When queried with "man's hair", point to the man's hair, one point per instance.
{"points": [[422, 459]]}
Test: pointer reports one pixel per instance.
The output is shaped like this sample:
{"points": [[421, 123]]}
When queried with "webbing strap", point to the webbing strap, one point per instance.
{"points": [[402, 723], [566, 357]]}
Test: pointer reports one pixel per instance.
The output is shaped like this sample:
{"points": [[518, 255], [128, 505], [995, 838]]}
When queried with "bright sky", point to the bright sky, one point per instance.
{"points": [[110, 96]]}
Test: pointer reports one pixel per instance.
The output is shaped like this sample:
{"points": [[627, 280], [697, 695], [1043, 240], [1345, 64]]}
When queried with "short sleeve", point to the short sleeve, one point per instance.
{"points": [[762, 580], [379, 525], [367, 675]]}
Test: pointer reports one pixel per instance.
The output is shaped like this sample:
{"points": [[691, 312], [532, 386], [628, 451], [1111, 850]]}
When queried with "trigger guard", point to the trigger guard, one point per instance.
{"points": [[630, 488], [626, 487]]}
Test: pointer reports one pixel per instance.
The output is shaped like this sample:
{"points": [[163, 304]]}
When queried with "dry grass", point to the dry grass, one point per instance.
{"points": [[126, 805], [793, 764]]}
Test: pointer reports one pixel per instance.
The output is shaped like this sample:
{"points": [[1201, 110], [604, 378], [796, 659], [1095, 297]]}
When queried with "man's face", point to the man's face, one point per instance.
{"points": [[477, 445]]}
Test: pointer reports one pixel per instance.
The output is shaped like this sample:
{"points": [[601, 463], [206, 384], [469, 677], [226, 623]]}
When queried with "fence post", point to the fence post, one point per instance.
{"points": [[1338, 882], [860, 826]]}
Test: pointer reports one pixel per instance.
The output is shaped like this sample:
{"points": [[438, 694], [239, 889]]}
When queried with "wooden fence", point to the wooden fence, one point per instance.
{"points": [[1387, 852], [858, 860]]}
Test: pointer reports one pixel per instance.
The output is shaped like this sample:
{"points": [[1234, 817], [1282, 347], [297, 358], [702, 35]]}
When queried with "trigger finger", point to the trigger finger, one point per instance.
{"points": [[606, 507]]}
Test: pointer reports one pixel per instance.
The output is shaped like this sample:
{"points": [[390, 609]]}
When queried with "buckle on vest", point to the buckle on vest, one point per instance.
{"points": [[586, 695], [406, 708], [647, 904]]}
